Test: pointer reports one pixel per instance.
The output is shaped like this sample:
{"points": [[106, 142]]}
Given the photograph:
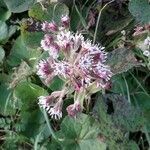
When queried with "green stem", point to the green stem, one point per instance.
{"points": [[49, 126]]}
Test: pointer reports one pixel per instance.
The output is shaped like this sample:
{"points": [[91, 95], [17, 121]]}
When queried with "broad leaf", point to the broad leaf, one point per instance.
{"points": [[53, 11], [19, 52], [143, 101], [116, 117], [31, 29], [28, 94], [6, 32], [32, 122], [4, 97], [140, 9], [19, 5], [80, 134], [3, 31], [121, 60], [56, 84], [5, 13]]}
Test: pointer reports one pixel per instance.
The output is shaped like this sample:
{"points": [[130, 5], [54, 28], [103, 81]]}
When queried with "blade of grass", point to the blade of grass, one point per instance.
{"points": [[98, 19], [145, 128], [7, 100], [140, 85], [37, 140], [82, 19], [127, 87], [147, 135]]}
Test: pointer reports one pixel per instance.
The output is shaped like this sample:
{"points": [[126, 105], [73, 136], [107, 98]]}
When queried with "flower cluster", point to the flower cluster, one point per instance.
{"points": [[77, 61]]}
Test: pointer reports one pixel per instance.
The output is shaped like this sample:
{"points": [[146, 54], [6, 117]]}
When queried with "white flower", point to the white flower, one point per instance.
{"points": [[44, 69], [147, 41], [44, 26], [85, 62], [43, 102], [46, 42], [87, 44], [62, 69], [77, 41], [55, 111], [65, 20], [52, 26], [146, 53], [103, 71], [54, 50]]}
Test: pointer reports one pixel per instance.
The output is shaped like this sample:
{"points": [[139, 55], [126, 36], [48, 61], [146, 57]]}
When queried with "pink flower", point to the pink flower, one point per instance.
{"points": [[77, 84], [44, 69], [78, 62], [46, 102], [62, 68], [56, 111], [54, 50], [74, 109], [49, 27], [65, 21], [46, 42], [147, 41], [102, 71]]}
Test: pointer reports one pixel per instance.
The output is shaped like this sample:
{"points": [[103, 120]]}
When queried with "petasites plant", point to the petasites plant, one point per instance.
{"points": [[75, 60]]}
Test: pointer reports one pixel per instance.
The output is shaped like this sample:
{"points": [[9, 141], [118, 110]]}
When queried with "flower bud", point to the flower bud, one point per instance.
{"points": [[49, 27], [74, 109], [65, 21]]}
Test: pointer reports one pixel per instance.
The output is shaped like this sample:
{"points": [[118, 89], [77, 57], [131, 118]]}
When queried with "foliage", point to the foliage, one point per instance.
{"points": [[117, 118], [80, 133], [140, 9]]}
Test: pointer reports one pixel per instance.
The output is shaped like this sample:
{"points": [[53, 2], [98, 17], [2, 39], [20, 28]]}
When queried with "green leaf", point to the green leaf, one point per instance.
{"points": [[119, 84], [53, 11], [116, 117], [20, 52], [140, 9], [30, 32], [56, 84], [31, 39], [6, 32], [33, 122], [121, 60], [80, 134], [19, 5], [2, 54], [143, 101], [5, 13], [28, 94]]}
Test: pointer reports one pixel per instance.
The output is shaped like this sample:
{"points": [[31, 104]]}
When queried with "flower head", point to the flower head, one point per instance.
{"points": [[46, 42], [44, 69], [79, 62]]}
